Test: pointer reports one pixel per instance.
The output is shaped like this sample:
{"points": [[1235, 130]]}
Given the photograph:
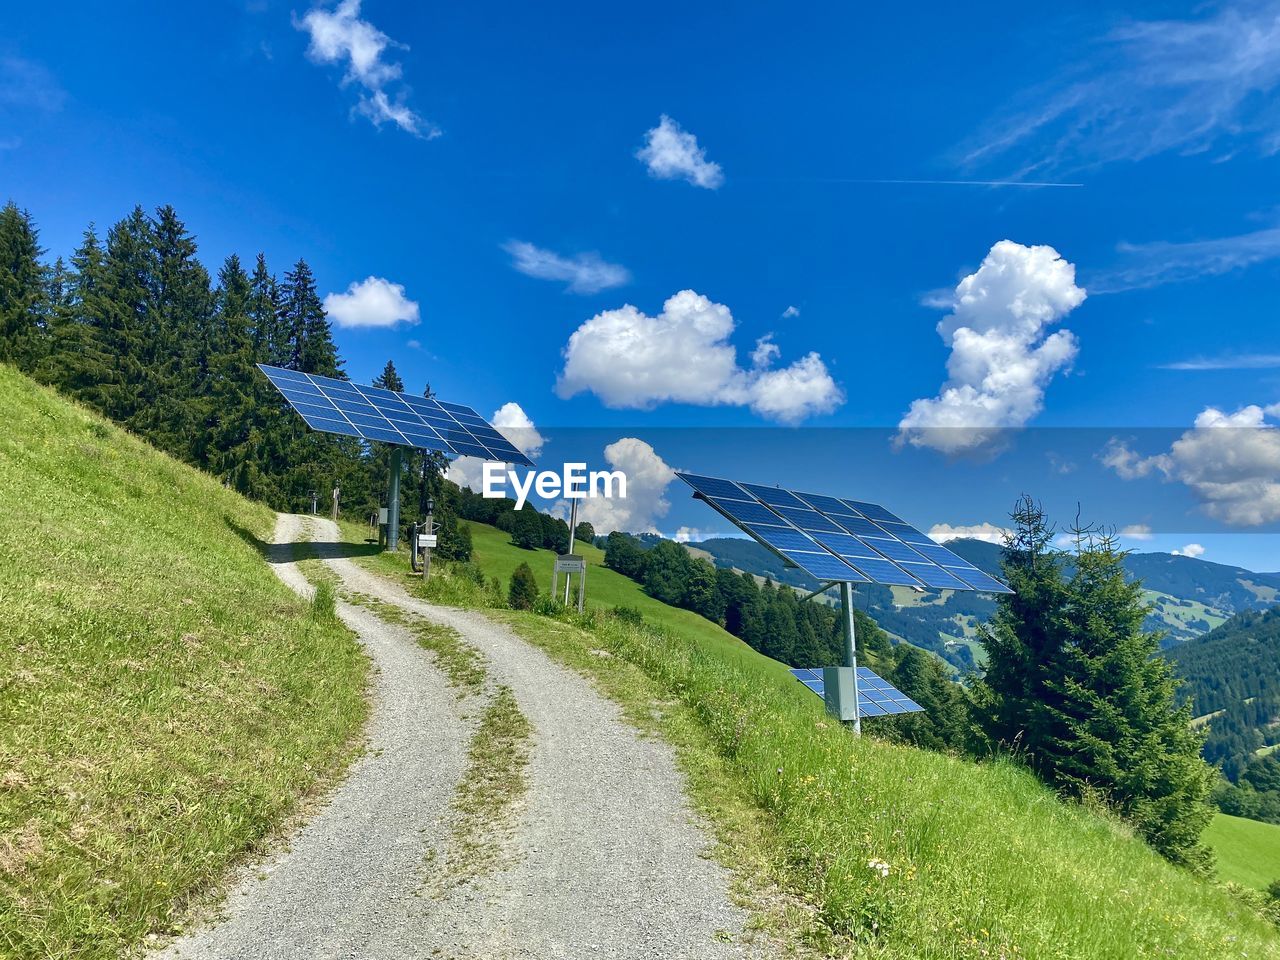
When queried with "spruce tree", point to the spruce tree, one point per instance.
{"points": [[78, 361], [389, 379], [24, 294], [526, 531], [312, 349], [124, 319], [232, 411], [523, 591]]}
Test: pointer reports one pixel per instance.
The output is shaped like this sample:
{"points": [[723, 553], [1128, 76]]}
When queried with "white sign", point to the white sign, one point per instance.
{"points": [[571, 563], [426, 540], [382, 514]]}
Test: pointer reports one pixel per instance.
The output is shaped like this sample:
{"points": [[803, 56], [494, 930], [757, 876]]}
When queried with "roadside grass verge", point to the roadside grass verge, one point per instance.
{"points": [[890, 851], [165, 701]]}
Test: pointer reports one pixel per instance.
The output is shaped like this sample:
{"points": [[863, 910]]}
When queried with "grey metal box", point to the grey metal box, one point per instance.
{"points": [[841, 702]]}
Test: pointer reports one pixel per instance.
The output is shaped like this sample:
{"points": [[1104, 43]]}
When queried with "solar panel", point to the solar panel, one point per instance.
{"points": [[877, 697], [372, 413], [834, 539]]}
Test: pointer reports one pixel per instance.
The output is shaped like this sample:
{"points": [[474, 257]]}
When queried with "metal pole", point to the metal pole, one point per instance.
{"points": [[393, 499], [426, 552], [573, 524], [851, 649]]}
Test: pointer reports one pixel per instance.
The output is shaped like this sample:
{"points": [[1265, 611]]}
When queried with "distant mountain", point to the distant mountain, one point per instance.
{"points": [[1190, 596]]}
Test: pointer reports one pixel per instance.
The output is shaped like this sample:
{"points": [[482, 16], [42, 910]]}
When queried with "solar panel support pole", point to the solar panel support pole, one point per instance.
{"points": [[393, 499], [851, 649]]}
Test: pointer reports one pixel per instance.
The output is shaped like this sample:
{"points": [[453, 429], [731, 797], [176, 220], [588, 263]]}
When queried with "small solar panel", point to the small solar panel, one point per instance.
{"points": [[372, 413], [841, 540], [877, 697]]}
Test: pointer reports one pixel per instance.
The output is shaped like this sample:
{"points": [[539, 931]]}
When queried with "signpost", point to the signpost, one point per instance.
{"points": [[570, 564]]}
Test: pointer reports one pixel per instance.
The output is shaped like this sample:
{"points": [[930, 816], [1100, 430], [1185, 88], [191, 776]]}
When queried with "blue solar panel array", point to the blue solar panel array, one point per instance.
{"points": [[877, 697], [371, 413], [841, 540]]}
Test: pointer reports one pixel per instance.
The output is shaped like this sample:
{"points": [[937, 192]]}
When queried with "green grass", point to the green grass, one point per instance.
{"points": [[489, 794], [1248, 851], [983, 860], [165, 702]]}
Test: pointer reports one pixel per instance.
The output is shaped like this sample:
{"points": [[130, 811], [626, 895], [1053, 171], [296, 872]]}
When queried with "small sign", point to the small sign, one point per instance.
{"points": [[426, 540], [382, 515], [571, 563]]}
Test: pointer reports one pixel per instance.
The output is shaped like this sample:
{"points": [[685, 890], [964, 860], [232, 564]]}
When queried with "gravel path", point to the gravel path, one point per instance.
{"points": [[346, 886], [607, 861], [610, 861]]}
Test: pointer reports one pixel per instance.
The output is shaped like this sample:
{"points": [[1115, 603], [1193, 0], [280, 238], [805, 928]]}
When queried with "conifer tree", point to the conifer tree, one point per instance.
{"points": [[310, 338], [124, 319], [24, 295], [389, 379], [232, 413], [523, 591], [77, 361]]}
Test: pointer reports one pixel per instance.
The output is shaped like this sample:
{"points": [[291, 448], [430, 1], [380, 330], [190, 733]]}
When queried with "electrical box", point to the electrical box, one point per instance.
{"points": [[837, 683], [382, 515]]}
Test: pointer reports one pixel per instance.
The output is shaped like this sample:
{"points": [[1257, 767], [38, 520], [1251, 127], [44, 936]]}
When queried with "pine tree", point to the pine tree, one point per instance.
{"points": [[24, 294], [1073, 684], [1116, 729], [270, 334], [232, 413], [523, 591], [389, 379], [77, 361], [124, 315], [312, 349]]}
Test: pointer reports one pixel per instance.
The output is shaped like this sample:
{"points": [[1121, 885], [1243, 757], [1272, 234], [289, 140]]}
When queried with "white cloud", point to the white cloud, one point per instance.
{"points": [[1146, 265], [683, 355], [1155, 86], [648, 477], [584, 272], [340, 36], [1229, 461], [672, 154], [988, 532], [514, 424], [790, 313], [1001, 360], [1190, 550], [372, 302], [1229, 361], [687, 535], [1137, 531]]}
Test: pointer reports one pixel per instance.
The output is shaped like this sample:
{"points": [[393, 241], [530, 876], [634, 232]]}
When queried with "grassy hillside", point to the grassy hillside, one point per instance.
{"points": [[982, 861], [1248, 851], [164, 699]]}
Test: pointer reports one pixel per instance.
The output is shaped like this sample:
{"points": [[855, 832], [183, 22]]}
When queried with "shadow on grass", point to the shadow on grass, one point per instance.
{"points": [[284, 552]]}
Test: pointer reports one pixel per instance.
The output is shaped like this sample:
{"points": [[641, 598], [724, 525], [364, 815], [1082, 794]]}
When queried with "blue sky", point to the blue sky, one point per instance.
{"points": [[505, 177]]}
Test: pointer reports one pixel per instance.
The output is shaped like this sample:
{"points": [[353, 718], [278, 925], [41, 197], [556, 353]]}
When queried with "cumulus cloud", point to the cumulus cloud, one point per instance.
{"points": [[583, 272], [372, 302], [1001, 358], [687, 535], [1229, 461], [339, 36], [514, 424], [671, 153], [1137, 531], [1155, 86], [988, 532], [683, 355], [1190, 550], [648, 477]]}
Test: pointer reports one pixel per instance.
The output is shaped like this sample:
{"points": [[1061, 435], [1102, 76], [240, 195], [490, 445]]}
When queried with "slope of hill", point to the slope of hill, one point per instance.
{"points": [[1248, 851], [164, 699], [1189, 596], [912, 853]]}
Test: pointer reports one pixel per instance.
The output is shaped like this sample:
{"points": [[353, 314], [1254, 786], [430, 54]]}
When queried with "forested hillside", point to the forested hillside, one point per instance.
{"points": [[1232, 678], [135, 327]]}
